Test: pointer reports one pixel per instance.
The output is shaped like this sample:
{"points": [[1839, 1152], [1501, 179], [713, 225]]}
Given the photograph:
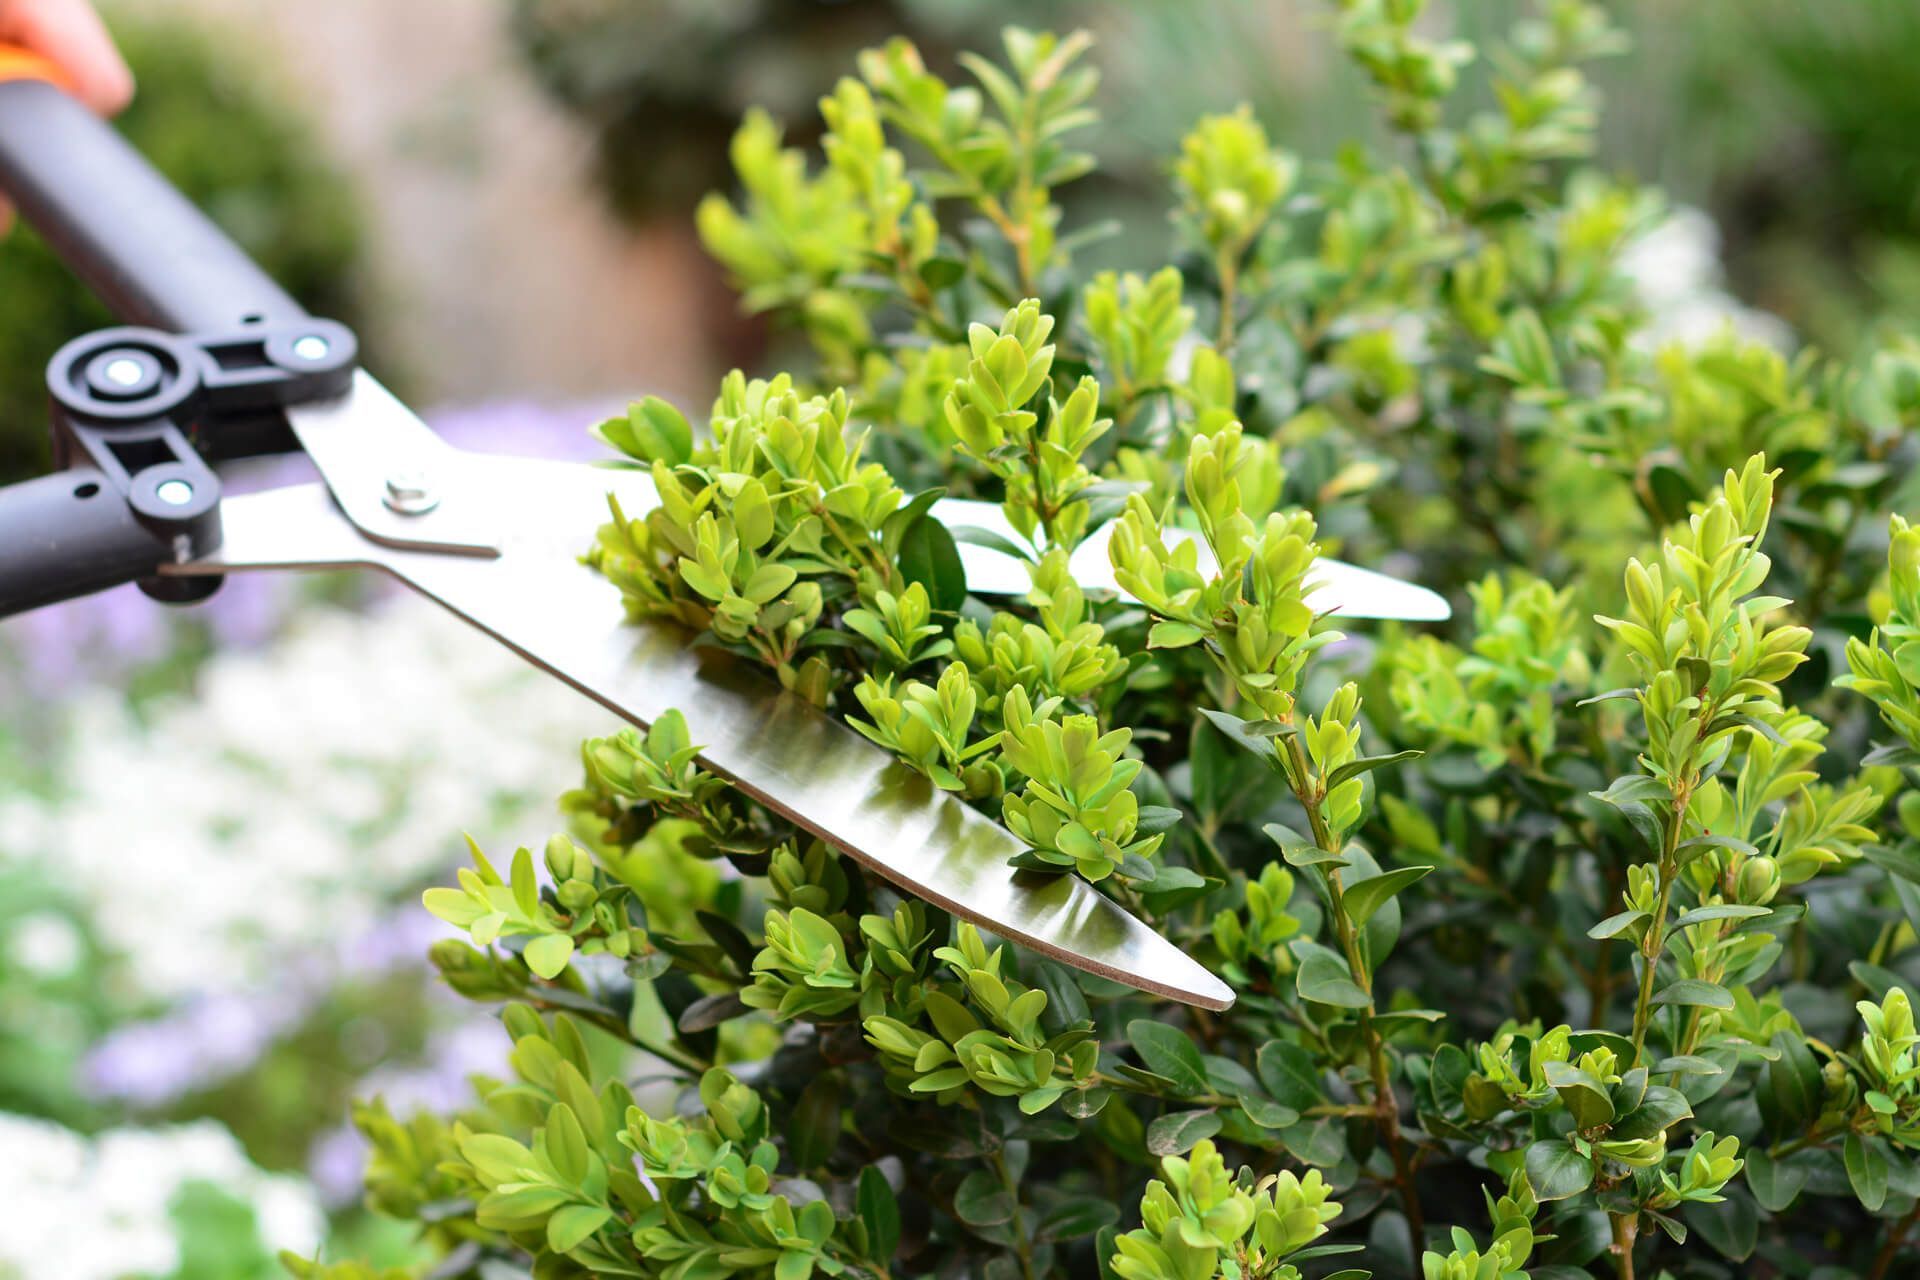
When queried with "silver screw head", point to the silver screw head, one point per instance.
{"points": [[125, 371], [175, 493], [410, 493], [311, 347]]}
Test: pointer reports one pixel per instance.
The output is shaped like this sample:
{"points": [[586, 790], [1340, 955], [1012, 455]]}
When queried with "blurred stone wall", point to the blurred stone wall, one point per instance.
{"points": [[505, 276]]}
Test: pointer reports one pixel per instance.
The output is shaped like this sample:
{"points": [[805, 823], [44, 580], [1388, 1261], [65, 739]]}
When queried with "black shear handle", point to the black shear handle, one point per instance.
{"points": [[144, 248], [158, 262]]}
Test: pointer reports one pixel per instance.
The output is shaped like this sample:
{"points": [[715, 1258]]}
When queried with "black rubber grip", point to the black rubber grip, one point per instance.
{"points": [[149, 254], [69, 534]]}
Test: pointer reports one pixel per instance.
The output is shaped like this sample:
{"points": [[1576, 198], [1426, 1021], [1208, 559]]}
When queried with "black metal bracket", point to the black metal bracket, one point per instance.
{"points": [[151, 411]]}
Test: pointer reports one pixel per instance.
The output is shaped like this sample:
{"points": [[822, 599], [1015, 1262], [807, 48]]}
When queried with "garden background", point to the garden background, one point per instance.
{"points": [[499, 196]]}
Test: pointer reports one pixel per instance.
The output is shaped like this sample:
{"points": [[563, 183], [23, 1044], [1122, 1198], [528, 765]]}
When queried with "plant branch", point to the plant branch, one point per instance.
{"points": [[1386, 1106]]}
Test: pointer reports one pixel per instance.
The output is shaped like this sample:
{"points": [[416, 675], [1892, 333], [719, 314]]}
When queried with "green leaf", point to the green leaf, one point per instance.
{"points": [[1174, 635], [1364, 897], [1732, 1226], [880, 1211], [566, 1144], [1267, 1113], [1774, 1183], [1721, 911], [650, 429], [1660, 1109], [1616, 923], [1176, 1132], [1325, 979], [1694, 992], [1876, 980], [1794, 1078], [938, 273], [1168, 1052], [708, 1012], [1555, 1170], [1866, 1171], [1585, 1098], [1287, 1072], [569, 1228], [548, 954], [526, 891], [1367, 764], [929, 557], [981, 1201], [814, 1130], [1247, 733], [992, 541], [1076, 1216]]}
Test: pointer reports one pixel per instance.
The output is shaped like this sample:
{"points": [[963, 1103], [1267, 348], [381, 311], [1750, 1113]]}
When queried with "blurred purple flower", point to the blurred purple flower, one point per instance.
{"points": [[215, 1036], [476, 1046], [205, 1041]]}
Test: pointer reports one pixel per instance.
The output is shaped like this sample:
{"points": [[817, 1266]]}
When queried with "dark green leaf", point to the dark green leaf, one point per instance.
{"points": [[1267, 1113], [1555, 1170], [1362, 898], [1075, 1217], [981, 1201], [1287, 1072], [1245, 733], [938, 273], [1175, 1133], [1694, 992], [814, 1130], [709, 1012], [929, 557], [1323, 977], [1660, 1109], [1794, 1078], [1168, 1052], [880, 1211], [1866, 1171], [1367, 764], [1774, 1183]]}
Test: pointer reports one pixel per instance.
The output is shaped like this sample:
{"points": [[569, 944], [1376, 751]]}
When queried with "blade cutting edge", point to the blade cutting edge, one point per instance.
{"points": [[540, 602]]}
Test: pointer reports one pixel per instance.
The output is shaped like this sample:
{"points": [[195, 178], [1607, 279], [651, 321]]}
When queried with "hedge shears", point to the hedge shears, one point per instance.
{"points": [[215, 361]]}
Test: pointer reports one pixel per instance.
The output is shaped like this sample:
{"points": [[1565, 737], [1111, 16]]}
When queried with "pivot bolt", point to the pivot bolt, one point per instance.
{"points": [[410, 493], [311, 347]]}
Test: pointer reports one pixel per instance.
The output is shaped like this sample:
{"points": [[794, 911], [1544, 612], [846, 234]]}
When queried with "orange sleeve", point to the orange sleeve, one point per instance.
{"points": [[19, 64]]}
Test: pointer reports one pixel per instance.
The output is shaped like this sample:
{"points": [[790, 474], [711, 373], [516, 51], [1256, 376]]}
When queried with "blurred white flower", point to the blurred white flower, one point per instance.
{"points": [[100, 1209], [302, 790], [1675, 268], [45, 944]]}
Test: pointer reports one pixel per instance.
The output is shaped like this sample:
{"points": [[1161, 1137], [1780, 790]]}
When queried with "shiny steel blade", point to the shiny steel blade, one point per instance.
{"points": [[539, 601], [1337, 587]]}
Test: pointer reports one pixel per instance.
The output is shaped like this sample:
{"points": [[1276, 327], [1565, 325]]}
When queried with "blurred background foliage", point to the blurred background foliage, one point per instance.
{"points": [[1790, 122], [215, 122]]}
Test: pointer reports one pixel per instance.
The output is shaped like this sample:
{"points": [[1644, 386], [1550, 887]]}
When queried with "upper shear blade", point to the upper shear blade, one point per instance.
{"points": [[536, 598]]}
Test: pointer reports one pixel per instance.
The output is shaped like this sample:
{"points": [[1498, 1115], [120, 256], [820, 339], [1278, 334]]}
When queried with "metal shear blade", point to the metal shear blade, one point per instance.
{"points": [[526, 588]]}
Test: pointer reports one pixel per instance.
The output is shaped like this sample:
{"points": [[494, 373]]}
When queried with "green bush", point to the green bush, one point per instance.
{"points": [[1575, 938], [212, 123]]}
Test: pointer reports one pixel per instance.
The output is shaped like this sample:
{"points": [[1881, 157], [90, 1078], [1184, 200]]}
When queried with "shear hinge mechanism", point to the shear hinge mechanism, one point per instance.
{"points": [[151, 411]]}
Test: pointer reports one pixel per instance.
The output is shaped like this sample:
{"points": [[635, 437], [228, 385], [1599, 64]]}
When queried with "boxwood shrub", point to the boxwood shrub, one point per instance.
{"points": [[1574, 937]]}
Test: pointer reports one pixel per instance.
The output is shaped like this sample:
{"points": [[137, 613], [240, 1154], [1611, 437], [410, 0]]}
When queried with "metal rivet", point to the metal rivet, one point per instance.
{"points": [[410, 493], [175, 493], [125, 371], [311, 347]]}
